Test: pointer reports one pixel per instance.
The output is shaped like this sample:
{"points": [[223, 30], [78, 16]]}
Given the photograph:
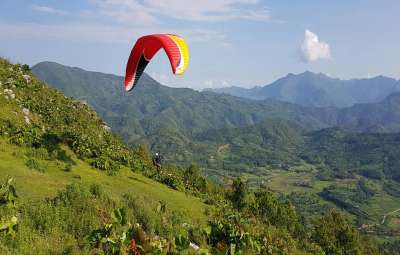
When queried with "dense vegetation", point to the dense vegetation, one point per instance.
{"points": [[54, 144], [344, 154]]}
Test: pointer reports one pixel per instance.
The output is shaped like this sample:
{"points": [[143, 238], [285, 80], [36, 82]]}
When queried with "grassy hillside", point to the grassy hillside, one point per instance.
{"points": [[68, 186], [35, 185]]}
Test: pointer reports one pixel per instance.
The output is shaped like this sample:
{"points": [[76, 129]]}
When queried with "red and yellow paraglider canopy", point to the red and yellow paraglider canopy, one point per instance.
{"points": [[145, 49]]}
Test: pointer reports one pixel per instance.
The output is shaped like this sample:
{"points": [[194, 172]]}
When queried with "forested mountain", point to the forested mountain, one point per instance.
{"points": [[383, 116], [152, 107], [319, 90], [174, 120]]}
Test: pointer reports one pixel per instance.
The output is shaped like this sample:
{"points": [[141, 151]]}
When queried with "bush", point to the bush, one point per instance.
{"points": [[275, 212], [8, 194], [142, 212], [38, 153], [171, 181], [26, 136], [69, 216], [96, 190], [68, 167], [107, 164], [238, 193], [335, 235], [194, 180], [35, 165]]}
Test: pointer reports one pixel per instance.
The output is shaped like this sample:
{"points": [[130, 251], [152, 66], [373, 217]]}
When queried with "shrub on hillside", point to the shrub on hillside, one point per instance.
{"points": [[35, 164], [171, 179], [106, 164], [8, 194], [335, 235], [38, 153], [272, 211]]}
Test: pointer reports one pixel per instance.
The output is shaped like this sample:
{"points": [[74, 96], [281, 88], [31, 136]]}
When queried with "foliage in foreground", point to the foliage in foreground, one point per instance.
{"points": [[84, 220]]}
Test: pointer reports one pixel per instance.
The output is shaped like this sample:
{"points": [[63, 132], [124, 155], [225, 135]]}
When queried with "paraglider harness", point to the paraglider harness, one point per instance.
{"points": [[157, 161]]}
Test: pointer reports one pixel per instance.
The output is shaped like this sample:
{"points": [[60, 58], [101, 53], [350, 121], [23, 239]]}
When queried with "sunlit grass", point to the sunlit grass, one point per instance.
{"points": [[33, 185]]}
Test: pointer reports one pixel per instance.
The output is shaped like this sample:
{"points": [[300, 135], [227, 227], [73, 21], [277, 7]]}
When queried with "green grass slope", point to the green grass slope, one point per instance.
{"points": [[35, 185]]}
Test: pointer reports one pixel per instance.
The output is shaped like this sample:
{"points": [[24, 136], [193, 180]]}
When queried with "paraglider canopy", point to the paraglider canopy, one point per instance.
{"points": [[145, 49]]}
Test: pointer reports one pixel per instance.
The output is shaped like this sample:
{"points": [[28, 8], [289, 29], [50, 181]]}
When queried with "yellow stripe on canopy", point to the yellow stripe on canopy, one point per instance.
{"points": [[184, 50]]}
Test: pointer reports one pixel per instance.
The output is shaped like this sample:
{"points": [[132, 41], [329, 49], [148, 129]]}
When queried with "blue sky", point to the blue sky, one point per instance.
{"points": [[232, 42]]}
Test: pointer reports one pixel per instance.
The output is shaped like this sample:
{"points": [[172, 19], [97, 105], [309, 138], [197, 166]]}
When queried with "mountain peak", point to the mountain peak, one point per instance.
{"points": [[312, 74], [307, 72]]}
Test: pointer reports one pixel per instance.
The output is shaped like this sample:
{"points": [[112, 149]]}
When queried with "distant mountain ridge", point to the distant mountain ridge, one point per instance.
{"points": [[319, 90], [177, 120]]}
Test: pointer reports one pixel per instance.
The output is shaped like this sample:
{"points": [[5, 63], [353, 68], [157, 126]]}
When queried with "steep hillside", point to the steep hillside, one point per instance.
{"points": [[319, 90]]}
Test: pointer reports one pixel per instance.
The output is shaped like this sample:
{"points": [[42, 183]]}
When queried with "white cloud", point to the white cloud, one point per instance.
{"points": [[47, 9], [151, 11], [312, 49]]}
